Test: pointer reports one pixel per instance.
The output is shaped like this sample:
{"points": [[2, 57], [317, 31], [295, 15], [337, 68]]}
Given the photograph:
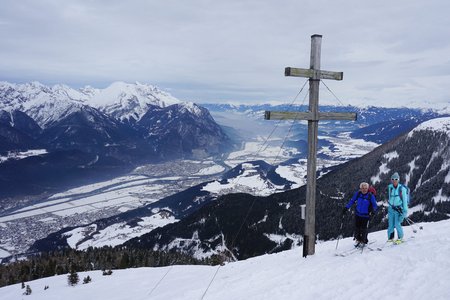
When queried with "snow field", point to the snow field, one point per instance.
{"points": [[417, 269]]}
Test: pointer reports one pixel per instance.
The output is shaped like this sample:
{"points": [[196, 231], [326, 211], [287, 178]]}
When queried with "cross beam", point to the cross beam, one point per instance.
{"points": [[321, 74], [291, 115], [313, 116]]}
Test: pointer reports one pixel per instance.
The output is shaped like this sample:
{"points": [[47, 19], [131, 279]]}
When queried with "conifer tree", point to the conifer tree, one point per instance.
{"points": [[73, 277]]}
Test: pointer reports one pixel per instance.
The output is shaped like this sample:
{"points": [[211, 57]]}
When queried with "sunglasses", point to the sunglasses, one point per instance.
{"points": [[395, 179]]}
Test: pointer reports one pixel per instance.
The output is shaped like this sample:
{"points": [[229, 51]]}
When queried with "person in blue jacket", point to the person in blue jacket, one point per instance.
{"points": [[398, 208], [366, 204]]}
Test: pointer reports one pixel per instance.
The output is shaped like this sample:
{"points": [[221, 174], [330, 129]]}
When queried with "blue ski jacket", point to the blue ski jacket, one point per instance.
{"points": [[398, 197], [363, 202]]}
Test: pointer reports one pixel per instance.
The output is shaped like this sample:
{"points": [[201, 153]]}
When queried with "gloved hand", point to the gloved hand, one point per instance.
{"points": [[399, 210], [344, 210]]}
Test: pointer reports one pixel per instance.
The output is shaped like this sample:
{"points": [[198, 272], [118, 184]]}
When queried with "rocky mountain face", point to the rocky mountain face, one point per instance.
{"points": [[181, 121], [87, 129], [242, 225], [17, 131]]}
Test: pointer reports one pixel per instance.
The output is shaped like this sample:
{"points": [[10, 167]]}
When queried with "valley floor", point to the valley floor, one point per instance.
{"points": [[22, 223]]}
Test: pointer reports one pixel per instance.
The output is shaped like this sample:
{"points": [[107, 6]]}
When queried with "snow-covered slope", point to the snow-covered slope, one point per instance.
{"points": [[437, 125], [422, 159], [48, 104], [417, 269]]}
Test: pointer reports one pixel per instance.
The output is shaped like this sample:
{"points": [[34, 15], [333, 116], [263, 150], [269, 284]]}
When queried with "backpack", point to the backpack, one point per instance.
{"points": [[373, 190], [407, 196]]}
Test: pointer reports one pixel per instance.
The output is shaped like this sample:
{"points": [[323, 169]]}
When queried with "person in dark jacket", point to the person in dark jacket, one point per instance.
{"points": [[366, 204]]}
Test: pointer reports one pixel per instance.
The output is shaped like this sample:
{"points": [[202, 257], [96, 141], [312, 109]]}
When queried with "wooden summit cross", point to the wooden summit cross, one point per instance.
{"points": [[313, 116]]}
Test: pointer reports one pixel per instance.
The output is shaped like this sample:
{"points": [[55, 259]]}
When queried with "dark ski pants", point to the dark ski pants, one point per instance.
{"points": [[361, 229]]}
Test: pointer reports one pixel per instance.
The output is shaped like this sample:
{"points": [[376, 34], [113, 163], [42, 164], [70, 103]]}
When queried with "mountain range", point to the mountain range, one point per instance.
{"points": [[46, 104], [375, 124], [102, 132]]}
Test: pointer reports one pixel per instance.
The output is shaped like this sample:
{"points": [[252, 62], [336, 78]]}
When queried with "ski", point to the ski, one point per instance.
{"points": [[384, 245], [348, 252], [364, 246], [393, 243], [355, 249], [371, 249]]}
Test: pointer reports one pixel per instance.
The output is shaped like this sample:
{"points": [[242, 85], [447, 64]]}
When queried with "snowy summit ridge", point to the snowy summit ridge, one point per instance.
{"points": [[46, 104]]}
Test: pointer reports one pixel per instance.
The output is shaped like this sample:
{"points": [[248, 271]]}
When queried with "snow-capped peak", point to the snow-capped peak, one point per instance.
{"points": [[191, 107], [124, 100], [119, 91]]}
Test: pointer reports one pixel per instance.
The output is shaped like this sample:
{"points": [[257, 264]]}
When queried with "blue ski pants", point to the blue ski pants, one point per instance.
{"points": [[395, 220]]}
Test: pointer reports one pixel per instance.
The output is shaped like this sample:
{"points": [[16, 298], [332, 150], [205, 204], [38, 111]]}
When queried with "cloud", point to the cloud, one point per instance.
{"points": [[233, 50]]}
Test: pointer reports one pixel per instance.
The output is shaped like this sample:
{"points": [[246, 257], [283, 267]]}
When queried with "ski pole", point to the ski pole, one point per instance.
{"points": [[408, 220], [411, 222]]}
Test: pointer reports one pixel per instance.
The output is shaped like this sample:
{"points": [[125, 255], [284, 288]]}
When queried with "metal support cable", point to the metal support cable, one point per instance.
{"points": [[279, 121], [332, 93], [288, 133], [214, 276], [162, 278]]}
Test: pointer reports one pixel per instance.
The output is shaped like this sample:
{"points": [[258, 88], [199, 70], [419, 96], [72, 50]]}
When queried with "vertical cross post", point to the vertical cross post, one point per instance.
{"points": [[313, 116], [313, 127]]}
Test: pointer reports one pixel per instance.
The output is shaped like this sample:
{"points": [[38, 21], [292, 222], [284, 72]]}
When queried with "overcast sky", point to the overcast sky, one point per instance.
{"points": [[391, 52]]}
